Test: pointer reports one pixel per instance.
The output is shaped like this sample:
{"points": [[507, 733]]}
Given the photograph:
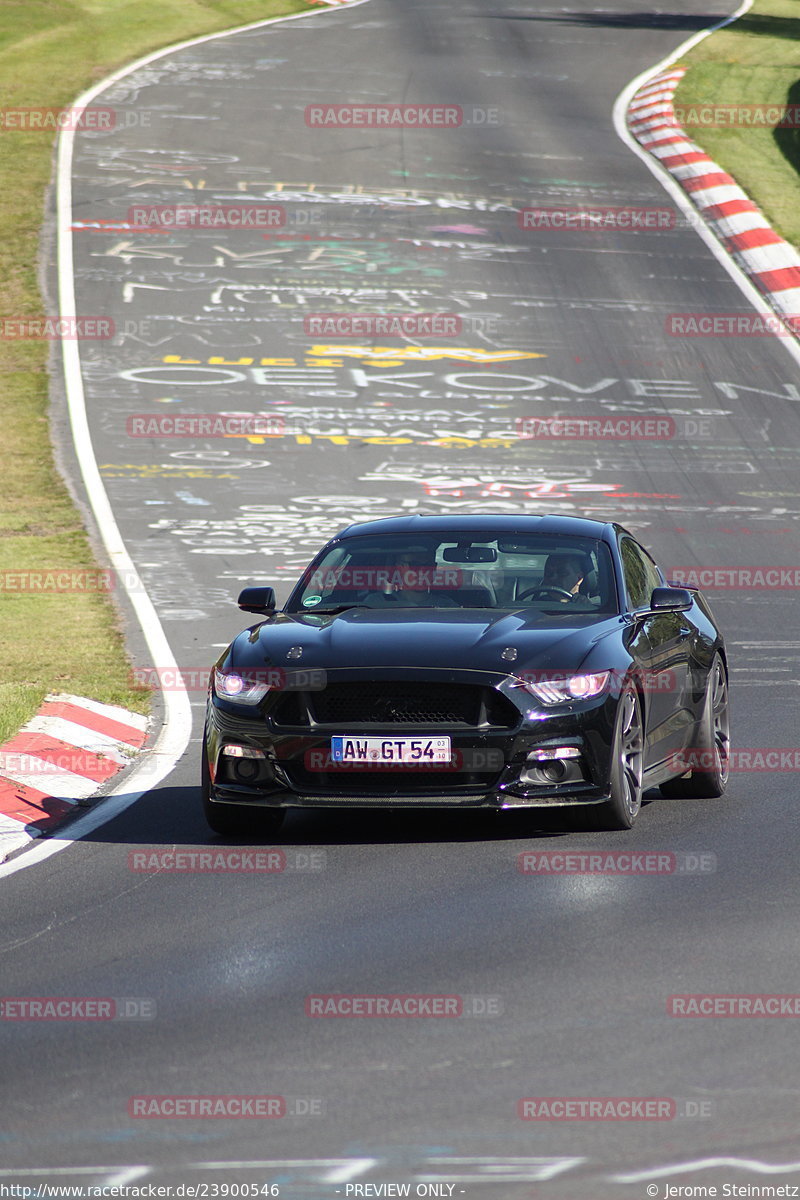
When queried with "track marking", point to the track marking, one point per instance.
{"points": [[705, 1164], [123, 1176], [119, 1171], [670, 185], [173, 740]]}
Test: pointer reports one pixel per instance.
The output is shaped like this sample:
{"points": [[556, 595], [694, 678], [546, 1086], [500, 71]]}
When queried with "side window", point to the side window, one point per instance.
{"points": [[325, 580], [641, 573]]}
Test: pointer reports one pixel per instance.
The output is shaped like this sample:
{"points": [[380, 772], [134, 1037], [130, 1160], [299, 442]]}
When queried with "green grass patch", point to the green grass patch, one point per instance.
{"points": [[754, 61], [51, 51]]}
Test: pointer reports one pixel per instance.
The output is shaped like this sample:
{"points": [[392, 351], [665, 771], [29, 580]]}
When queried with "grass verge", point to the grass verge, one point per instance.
{"points": [[755, 61], [50, 51]]}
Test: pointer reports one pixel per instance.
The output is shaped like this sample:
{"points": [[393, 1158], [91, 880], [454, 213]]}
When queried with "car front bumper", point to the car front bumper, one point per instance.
{"points": [[492, 767]]}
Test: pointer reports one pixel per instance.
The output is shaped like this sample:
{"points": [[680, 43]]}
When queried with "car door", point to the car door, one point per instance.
{"points": [[664, 649]]}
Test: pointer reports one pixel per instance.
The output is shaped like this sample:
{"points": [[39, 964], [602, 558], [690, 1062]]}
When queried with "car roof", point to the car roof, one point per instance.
{"points": [[488, 523]]}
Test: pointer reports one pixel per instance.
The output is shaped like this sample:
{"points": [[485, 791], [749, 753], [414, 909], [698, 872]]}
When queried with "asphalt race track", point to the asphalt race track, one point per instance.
{"points": [[572, 973]]}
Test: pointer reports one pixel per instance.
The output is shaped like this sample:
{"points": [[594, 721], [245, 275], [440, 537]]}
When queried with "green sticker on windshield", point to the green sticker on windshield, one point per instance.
{"points": [[310, 601]]}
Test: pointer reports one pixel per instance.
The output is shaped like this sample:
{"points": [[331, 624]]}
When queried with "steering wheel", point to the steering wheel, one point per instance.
{"points": [[538, 591]]}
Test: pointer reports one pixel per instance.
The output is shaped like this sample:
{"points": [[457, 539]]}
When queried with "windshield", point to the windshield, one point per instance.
{"points": [[463, 570]]}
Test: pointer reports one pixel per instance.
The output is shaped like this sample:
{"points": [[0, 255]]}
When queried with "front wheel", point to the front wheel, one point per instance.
{"points": [[627, 753], [236, 819], [710, 756]]}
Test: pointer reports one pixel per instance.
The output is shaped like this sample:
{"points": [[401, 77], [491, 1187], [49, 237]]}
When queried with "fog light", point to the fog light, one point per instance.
{"points": [[246, 769], [550, 765], [548, 753], [243, 752]]}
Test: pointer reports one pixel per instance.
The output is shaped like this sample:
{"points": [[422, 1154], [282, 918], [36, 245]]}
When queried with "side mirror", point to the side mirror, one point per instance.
{"points": [[670, 599], [257, 600]]}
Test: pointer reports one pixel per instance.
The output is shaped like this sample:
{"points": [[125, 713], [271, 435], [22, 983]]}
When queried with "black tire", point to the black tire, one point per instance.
{"points": [[712, 745], [236, 819], [627, 754]]}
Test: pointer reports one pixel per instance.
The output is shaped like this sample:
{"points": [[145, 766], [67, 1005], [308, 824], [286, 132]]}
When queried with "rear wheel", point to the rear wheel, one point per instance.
{"points": [[234, 819], [627, 752], [712, 748]]}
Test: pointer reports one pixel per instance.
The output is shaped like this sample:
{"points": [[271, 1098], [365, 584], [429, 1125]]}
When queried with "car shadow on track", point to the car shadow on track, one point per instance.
{"points": [[173, 816]]}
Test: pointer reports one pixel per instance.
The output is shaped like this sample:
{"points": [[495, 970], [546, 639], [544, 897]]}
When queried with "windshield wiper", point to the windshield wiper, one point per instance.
{"points": [[312, 612]]}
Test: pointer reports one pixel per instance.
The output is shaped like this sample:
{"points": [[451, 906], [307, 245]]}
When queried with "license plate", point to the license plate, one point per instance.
{"points": [[391, 750]]}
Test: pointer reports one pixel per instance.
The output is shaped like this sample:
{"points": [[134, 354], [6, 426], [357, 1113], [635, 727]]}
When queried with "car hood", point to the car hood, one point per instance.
{"points": [[469, 639]]}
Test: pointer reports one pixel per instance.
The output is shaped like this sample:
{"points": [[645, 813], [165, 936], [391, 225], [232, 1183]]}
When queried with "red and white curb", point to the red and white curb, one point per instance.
{"points": [[62, 757], [738, 223]]}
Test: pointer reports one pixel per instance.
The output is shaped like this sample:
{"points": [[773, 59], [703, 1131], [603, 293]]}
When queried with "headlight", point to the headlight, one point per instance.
{"points": [[559, 688], [244, 689]]}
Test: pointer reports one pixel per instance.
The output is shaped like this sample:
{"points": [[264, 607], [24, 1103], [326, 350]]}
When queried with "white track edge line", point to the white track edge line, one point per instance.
{"points": [[701, 227], [174, 737], [756, 1165]]}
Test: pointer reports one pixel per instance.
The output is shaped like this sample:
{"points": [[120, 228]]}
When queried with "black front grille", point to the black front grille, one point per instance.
{"points": [[290, 709], [396, 703], [381, 703], [387, 783]]}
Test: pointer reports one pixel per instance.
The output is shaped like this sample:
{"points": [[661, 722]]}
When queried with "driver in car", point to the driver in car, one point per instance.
{"points": [[565, 572], [415, 571]]}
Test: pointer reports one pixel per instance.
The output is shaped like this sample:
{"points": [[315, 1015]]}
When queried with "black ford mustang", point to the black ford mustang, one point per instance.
{"points": [[475, 661]]}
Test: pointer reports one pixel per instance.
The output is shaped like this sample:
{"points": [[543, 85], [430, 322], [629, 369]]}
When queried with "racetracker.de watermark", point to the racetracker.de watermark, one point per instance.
{"points": [[626, 429], [758, 1004], [222, 1108], [707, 324], [54, 329], [147, 219], [76, 1008], [748, 579], [269, 861], [617, 862], [757, 758], [142, 217], [382, 578], [205, 425], [56, 580], [626, 218], [49, 761], [735, 116], [616, 429], [597, 1108], [197, 679], [383, 325], [418, 1005], [48, 119], [209, 1107], [385, 116], [582, 685]]}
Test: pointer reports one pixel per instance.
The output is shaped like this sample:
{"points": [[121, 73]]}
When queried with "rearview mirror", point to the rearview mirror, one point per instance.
{"points": [[470, 554], [257, 600], [670, 599]]}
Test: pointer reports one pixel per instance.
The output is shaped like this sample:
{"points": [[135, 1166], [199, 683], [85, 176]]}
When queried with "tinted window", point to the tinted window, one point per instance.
{"points": [[641, 573], [465, 570]]}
